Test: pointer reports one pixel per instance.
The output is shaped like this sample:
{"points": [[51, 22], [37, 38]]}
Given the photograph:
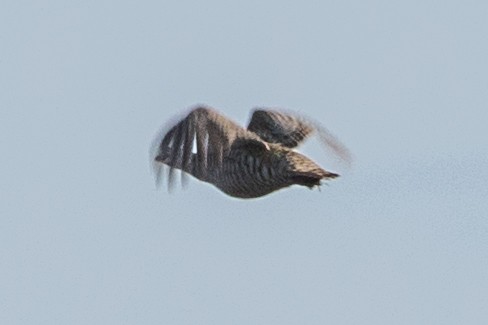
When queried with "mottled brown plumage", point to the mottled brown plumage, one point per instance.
{"points": [[244, 163]]}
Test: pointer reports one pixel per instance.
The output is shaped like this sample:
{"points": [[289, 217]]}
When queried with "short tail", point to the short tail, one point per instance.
{"points": [[311, 179]]}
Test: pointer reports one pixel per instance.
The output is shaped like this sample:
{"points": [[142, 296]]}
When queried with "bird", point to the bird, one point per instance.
{"points": [[243, 162]]}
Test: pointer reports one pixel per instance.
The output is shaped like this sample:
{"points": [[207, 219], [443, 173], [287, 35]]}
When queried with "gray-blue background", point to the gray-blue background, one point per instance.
{"points": [[401, 238]]}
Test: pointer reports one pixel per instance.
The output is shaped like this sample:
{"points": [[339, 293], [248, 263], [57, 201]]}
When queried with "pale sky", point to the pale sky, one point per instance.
{"points": [[400, 238]]}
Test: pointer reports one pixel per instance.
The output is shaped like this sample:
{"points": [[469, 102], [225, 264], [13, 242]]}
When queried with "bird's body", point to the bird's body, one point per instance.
{"points": [[243, 163], [250, 175]]}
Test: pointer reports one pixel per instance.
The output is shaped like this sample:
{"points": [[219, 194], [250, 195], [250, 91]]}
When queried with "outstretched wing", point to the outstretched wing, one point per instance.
{"points": [[290, 130], [213, 135]]}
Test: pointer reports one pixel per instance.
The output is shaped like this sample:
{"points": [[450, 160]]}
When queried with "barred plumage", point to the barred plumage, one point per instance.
{"points": [[244, 163]]}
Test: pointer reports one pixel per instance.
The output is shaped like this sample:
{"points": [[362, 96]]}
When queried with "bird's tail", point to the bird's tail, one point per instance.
{"points": [[313, 178], [303, 171]]}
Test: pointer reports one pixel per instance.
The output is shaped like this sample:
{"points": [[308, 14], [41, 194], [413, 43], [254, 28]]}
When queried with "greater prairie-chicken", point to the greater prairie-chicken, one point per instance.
{"points": [[244, 163]]}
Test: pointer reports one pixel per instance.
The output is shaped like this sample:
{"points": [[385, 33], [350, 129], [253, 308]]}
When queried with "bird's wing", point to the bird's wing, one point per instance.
{"points": [[213, 135], [289, 130], [276, 127]]}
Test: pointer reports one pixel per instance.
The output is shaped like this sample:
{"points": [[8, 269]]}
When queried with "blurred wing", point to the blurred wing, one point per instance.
{"points": [[211, 132], [333, 144], [290, 130], [277, 127]]}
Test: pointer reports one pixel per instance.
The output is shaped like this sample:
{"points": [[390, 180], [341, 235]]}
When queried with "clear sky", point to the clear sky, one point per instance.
{"points": [[401, 238]]}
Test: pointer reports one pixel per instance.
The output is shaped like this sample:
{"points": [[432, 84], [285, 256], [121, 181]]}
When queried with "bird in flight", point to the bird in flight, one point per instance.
{"points": [[244, 163]]}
